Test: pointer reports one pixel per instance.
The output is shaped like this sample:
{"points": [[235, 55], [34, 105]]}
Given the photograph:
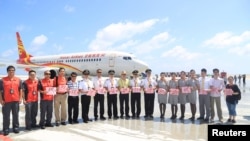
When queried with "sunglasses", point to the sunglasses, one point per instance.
{"points": [[47, 73]]}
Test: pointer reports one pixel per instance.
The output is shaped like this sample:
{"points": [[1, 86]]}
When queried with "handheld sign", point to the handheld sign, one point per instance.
{"points": [[101, 91], [91, 92], [228, 92], [203, 92], [149, 90], [215, 91], [162, 91], [50, 90], [113, 91], [125, 90], [136, 89], [174, 91], [62, 88], [73, 92], [186, 90]]}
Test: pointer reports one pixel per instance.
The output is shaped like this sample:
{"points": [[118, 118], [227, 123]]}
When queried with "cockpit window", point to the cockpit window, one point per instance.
{"points": [[127, 58]]}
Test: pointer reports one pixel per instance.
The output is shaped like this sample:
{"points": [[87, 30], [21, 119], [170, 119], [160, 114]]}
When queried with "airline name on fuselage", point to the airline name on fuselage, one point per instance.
{"points": [[92, 55]]}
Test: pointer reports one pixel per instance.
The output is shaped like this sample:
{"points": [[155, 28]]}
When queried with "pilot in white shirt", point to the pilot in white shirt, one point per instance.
{"points": [[111, 86], [84, 86], [149, 96], [99, 97]]}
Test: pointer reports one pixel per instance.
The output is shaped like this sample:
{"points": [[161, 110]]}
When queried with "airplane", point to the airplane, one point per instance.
{"points": [[77, 62]]}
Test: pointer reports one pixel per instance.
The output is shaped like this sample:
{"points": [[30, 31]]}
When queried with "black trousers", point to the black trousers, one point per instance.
{"points": [[46, 108], [6, 109], [112, 101], [85, 101], [31, 109], [73, 105], [149, 104], [124, 100], [136, 102], [99, 98]]}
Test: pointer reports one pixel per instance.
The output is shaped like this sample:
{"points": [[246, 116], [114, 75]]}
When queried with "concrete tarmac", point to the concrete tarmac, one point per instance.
{"points": [[132, 129]]}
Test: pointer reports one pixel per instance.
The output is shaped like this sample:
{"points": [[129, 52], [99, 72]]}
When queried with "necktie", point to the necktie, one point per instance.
{"points": [[202, 83], [135, 82]]}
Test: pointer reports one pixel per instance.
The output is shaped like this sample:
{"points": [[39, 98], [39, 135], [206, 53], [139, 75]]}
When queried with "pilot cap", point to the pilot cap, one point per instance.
{"points": [[135, 72], [111, 71], [86, 72], [148, 70]]}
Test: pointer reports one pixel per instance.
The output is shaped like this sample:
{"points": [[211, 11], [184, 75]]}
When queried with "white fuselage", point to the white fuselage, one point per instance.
{"points": [[92, 61]]}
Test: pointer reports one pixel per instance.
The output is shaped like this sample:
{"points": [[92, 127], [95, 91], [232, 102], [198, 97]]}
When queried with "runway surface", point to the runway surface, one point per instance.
{"points": [[132, 129]]}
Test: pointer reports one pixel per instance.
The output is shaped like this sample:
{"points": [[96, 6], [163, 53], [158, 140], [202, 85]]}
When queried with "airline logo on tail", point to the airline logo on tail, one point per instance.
{"points": [[22, 53]]}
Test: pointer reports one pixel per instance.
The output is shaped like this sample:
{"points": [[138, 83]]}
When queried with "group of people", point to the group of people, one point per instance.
{"points": [[239, 78], [62, 96]]}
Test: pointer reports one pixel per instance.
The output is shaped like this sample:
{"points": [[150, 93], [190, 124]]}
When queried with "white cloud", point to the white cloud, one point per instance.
{"points": [[117, 32], [180, 52], [158, 41], [69, 8], [8, 53], [39, 40], [227, 39], [244, 50]]}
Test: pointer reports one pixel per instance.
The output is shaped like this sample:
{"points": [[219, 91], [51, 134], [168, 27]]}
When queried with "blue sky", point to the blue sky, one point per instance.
{"points": [[169, 35]]}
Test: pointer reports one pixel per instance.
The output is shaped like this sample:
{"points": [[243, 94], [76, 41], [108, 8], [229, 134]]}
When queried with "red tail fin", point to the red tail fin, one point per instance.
{"points": [[21, 50]]}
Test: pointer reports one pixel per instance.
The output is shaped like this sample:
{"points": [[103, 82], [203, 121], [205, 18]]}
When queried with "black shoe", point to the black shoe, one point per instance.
{"points": [[116, 117], [109, 117], [133, 117], [192, 118], [75, 121], [229, 120], [127, 116], [70, 122], [151, 116], [96, 118], [63, 123], [121, 117], [28, 128], [6, 132], [181, 118], [200, 118], [42, 127], [172, 117], [233, 121], [137, 116], [102, 118], [15, 130], [57, 124], [206, 120], [146, 116], [49, 125], [35, 126], [90, 120]]}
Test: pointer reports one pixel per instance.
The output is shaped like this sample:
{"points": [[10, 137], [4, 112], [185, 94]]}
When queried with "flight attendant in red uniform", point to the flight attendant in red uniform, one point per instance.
{"points": [[31, 86], [10, 98]]}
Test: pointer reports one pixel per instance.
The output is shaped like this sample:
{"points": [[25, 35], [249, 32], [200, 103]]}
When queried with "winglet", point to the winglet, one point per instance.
{"points": [[21, 50]]}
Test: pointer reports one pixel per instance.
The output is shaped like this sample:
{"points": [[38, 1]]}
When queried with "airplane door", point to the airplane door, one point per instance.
{"points": [[112, 60]]}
